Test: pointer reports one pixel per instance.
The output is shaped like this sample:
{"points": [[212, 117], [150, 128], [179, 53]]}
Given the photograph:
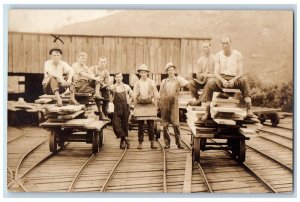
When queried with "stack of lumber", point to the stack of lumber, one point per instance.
{"points": [[224, 113], [54, 113], [22, 105]]}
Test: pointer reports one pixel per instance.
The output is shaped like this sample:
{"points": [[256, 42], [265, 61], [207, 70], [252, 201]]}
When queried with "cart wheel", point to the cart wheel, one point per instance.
{"points": [[275, 119], [242, 151], [157, 130], [53, 141], [101, 139], [95, 142], [196, 150], [61, 139], [202, 143]]}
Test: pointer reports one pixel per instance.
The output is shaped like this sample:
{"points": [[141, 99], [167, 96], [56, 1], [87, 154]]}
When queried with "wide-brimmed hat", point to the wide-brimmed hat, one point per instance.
{"points": [[168, 65], [143, 67]]}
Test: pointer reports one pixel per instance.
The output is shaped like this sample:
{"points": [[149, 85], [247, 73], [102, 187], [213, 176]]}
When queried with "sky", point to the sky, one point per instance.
{"points": [[39, 20]]}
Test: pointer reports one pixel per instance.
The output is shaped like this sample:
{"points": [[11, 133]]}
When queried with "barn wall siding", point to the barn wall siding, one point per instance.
{"points": [[27, 52]]}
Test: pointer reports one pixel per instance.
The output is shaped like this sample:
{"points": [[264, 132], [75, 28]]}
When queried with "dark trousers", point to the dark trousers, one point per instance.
{"points": [[52, 86], [215, 85], [121, 115], [194, 87], [150, 124], [167, 135]]}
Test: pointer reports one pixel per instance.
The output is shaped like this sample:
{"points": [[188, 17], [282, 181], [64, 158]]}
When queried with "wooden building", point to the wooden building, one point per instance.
{"points": [[27, 53]]}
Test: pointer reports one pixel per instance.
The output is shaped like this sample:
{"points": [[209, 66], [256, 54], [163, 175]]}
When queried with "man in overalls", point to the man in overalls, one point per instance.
{"points": [[145, 93], [169, 92], [122, 95]]}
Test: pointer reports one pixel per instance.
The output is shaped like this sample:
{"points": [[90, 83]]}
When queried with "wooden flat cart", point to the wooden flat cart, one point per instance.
{"points": [[88, 130], [265, 113], [231, 139]]}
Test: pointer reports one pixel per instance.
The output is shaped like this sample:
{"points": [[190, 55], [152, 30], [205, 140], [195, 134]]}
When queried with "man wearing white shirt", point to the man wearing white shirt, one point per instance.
{"points": [[54, 82], [229, 74]]}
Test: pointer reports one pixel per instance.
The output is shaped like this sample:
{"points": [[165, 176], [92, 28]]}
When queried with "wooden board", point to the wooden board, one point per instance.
{"points": [[141, 110], [187, 184], [95, 125], [231, 90], [69, 108], [225, 121]]}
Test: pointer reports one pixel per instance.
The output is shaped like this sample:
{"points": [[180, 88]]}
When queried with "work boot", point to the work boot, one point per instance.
{"points": [[122, 144], [249, 111], [140, 145], [153, 145], [98, 96], [206, 115], [180, 146], [194, 103], [127, 141], [59, 102]]}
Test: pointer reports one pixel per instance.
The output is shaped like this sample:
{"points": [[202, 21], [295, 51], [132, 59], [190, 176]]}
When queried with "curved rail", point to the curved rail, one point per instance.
{"points": [[75, 179], [276, 134], [271, 158], [23, 133], [104, 186]]}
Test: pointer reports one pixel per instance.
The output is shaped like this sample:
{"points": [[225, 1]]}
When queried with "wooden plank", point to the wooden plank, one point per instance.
{"points": [[147, 45], [95, 125], [78, 45], [187, 184], [95, 51], [17, 59], [130, 57], [72, 49], [35, 68], [184, 55], [87, 47], [195, 54], [71, 116], [77, 123], [161, 55], [113, 55], [106, 51], [141, 110], [10, 52], [69, 108], [124, 67], [118, 55], [139, 52], [43, 53], [231, 90], [225, 121], [189, 58]]}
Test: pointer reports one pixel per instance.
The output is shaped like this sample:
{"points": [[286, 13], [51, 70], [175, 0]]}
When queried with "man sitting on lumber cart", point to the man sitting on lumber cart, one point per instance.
{"points": [[54, 82], [205, 71], [228, 72], [102, 86], [84, 80]]}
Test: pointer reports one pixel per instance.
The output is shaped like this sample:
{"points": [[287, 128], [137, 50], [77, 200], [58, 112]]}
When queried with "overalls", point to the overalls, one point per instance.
{"points": [[121, 115]]}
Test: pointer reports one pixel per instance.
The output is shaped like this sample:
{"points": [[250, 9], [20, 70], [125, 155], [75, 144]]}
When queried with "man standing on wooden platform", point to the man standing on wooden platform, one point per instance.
{"points": [[169, 92], [84, 80], [205, 71], [228, 72], [102, 86], [54, 82], [145, 93], [122, 96]]}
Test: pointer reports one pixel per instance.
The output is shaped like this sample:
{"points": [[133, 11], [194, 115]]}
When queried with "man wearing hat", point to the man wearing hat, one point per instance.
{"points": [[169, 92], [145, 92], [54, 82], [205, 71]]}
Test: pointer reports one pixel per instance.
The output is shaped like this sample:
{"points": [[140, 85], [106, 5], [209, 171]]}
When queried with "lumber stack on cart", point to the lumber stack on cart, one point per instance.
{"points": [[225, 111], [54, 113]]}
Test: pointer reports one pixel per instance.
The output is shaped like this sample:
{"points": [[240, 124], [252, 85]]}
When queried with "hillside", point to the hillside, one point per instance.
{"points": [[265, 38]]}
